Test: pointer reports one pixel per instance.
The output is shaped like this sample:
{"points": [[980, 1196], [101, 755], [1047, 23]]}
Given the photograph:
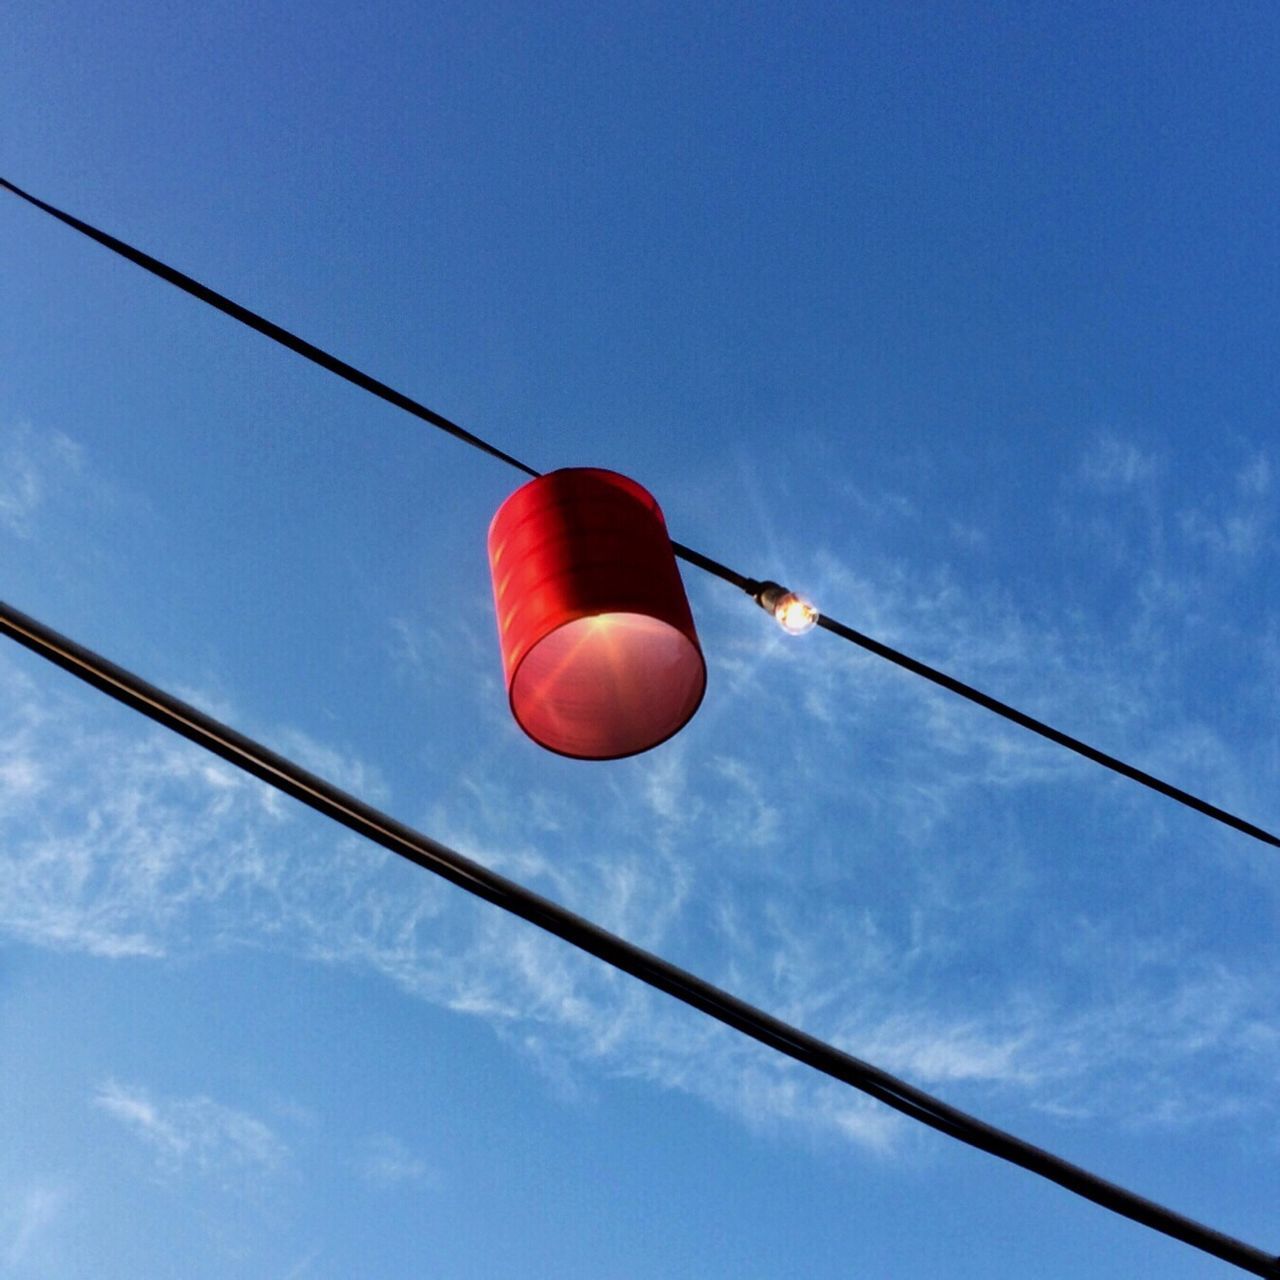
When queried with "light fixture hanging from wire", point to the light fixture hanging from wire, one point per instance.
{"points": [[366, 382], [598, 643]]}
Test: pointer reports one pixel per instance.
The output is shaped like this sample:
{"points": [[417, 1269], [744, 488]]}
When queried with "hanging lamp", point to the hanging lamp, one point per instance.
{"points": [[598, 643]]}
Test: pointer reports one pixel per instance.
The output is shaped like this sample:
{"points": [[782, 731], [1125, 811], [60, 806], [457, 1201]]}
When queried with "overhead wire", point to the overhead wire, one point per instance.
{"points": [[314, 791], [423, 851], [752, 586], [1017, 717], [269, 329]]}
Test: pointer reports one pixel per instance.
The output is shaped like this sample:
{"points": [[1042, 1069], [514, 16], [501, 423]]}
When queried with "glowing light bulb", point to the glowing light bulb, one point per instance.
{"points": [[795, 614]]}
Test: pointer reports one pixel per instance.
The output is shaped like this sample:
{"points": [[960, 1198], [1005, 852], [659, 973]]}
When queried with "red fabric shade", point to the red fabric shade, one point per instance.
{"points": [[598, 644]]}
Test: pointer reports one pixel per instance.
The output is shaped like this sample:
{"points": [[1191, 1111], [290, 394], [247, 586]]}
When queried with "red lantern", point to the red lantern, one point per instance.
{"points": [[598, 644]]}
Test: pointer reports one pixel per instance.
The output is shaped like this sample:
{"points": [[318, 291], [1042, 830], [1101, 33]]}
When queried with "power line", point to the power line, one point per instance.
{"points": [[752, 586], [314, 791], [269, 329], [1046, 731]]}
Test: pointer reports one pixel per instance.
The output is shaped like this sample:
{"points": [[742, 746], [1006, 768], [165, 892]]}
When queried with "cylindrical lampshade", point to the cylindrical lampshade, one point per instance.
{"points": [[598, 644]]}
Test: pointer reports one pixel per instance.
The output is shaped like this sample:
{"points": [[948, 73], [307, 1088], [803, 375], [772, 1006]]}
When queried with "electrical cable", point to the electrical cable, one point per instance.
{"points": [[1046, 731], [322, 796], [270, 329], [753, 587], [389, 394]]}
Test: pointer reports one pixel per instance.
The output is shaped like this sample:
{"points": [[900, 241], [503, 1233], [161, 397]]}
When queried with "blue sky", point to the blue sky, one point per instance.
{"points": [[961, 318]]}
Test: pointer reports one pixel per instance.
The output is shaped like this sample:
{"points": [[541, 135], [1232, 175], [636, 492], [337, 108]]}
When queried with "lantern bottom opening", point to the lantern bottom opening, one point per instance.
{"points": [[608, 685]]}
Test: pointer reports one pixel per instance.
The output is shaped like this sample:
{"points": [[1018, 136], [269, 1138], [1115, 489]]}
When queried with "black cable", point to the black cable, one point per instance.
{"points": [[380, 389], [708, 565], [282, 773], [1045, 731], [271, 330]]}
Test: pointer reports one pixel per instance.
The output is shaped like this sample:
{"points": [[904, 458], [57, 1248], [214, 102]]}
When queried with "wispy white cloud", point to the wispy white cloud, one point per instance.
{"points": [[32, 465], [855, 873], [195, 1135], [152, 849], [750, 820], [305, 1266], [1112, 464], [666, 789], [1255, 477], [921, 1047], [385, 1162], [339, 767], [1237, 529], [1175, 538], [20, 776], [28, 1216]]}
